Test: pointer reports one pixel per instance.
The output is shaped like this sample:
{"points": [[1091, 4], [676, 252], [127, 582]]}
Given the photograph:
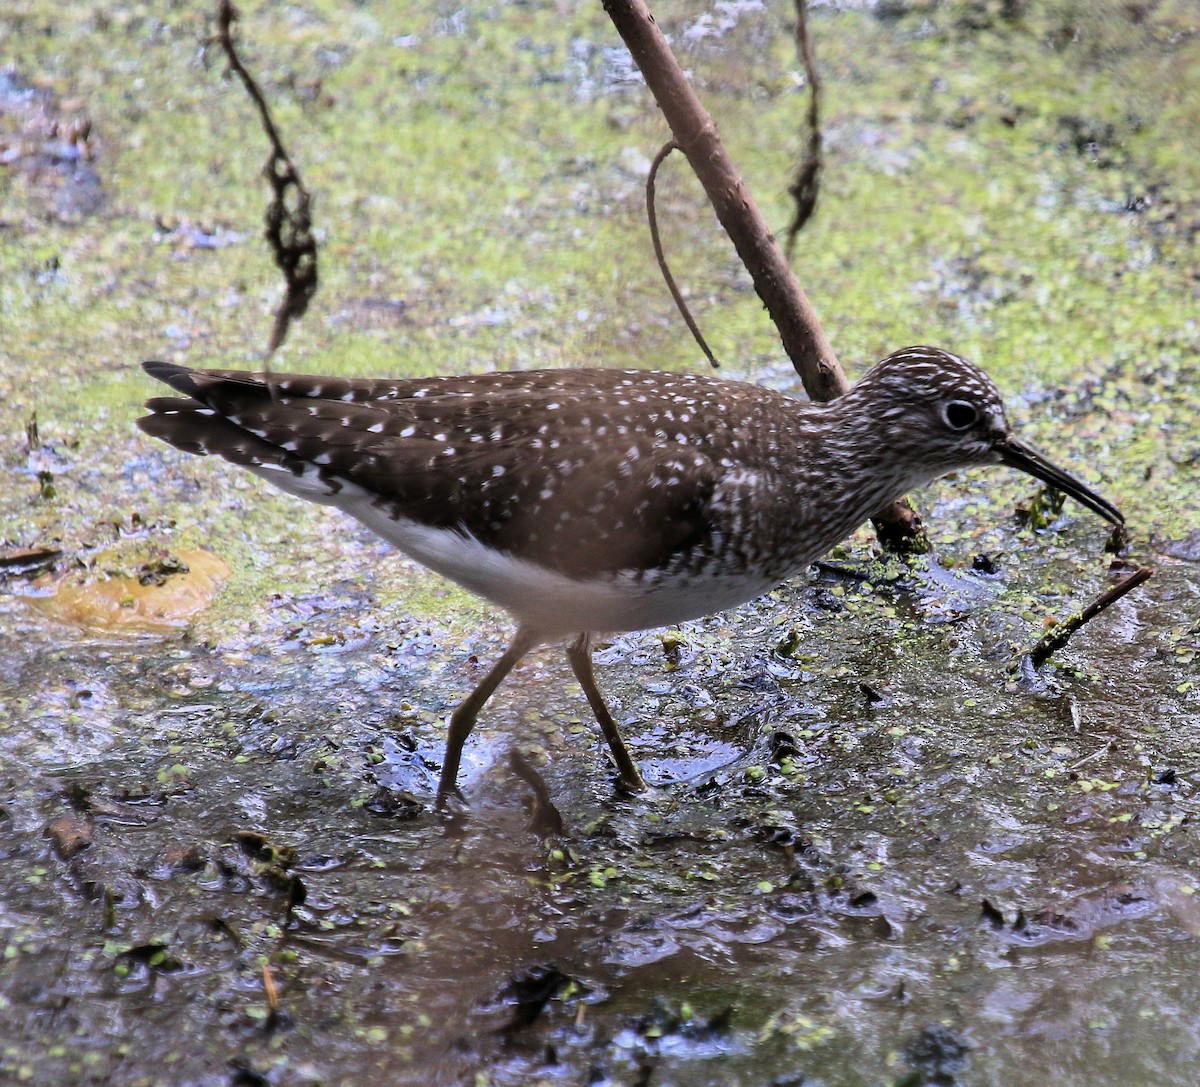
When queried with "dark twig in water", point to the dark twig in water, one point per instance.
{"points": [[289, 214], [807, 185], [1058, 636], [652, 219], [841, 570], [695, 133]]}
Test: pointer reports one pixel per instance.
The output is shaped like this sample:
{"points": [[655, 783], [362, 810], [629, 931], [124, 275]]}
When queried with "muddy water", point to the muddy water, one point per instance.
{"points": [[942, 874]]}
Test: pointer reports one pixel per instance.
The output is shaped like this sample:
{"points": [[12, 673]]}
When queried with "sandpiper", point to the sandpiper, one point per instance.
{"points": [[597, 500]]}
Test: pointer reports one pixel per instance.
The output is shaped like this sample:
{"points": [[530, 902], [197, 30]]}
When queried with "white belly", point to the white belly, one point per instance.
{"points": [[550, 603]]}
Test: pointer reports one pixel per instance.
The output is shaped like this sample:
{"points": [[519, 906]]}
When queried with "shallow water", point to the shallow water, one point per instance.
{"points": [[960, 874], [874, 853]]}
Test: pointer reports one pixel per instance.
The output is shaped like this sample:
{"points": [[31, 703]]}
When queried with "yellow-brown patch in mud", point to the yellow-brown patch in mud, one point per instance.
{"points": [[143, 592]]}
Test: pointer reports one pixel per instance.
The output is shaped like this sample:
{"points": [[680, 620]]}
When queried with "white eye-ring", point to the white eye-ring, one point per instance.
{"points": [[960, 415]]}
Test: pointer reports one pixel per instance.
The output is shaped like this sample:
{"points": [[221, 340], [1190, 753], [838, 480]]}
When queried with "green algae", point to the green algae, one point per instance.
{"points": [[957, 210], [975, 196]]}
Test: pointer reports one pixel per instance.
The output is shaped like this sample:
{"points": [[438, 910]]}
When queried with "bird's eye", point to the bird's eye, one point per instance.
{"points": [[959, 415]]}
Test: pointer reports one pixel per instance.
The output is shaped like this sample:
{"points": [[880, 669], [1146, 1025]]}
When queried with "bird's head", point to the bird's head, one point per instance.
{"points": [[941, 414]]}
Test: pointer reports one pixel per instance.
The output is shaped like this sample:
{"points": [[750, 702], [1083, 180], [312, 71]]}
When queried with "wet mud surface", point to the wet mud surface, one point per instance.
{"points": [[878, 851]]}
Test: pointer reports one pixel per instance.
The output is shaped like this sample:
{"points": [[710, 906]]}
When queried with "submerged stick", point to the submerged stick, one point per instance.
{"points": [[1058, 635]]}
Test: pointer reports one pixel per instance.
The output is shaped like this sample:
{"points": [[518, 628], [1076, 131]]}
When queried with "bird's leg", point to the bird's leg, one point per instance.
{"points": [[463, 719], [579, 653]]}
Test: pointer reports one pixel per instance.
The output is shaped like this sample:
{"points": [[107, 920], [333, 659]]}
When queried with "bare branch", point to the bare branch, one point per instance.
{"points": [[900, 530], [652, 219], [696, 136], [289, 214]]}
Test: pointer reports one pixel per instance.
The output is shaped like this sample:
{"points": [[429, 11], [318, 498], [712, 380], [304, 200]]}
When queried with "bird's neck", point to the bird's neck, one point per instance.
{"points": [[857, 464]]}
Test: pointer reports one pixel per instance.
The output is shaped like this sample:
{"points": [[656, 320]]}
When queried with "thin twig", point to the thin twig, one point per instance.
{"points": [[807, 185], [1058, 636], [1100, 751], [289, 228], [652, 219]]}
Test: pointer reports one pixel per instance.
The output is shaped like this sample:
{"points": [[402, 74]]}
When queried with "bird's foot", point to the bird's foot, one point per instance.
{"points": [[450, 802]]}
